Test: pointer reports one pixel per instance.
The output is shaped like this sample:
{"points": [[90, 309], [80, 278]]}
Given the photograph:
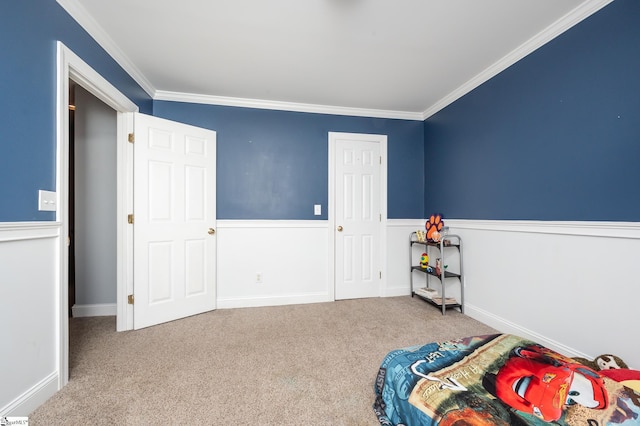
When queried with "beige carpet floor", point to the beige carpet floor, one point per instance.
{"points": [[288, 365]]}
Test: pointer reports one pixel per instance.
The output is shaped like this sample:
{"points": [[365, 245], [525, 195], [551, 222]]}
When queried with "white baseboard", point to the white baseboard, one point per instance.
{"points": [[396, 291], [254, 302], [26, 403], [509, 327], [95, 310]]}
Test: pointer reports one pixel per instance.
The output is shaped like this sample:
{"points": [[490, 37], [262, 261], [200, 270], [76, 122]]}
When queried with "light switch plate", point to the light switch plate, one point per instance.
{"points": [[47, 201], [317, 209]]}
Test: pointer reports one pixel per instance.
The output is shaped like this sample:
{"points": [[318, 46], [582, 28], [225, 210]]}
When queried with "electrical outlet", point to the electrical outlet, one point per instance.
{"points": [[258, 277]]}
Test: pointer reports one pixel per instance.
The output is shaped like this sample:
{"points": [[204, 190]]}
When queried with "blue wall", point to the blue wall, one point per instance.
{"points": [[274, 164], [28, 34], [554, 137]]}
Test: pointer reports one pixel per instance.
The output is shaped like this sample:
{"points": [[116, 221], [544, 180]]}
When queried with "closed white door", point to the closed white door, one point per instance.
{"points": [[174, 220], [358, 215]]}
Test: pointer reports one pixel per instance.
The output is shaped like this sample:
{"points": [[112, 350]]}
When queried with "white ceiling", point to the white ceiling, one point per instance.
{"points": [[400, 59]]}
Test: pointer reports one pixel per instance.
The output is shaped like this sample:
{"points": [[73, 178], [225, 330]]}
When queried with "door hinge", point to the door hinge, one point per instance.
{"points": [[132, 138], [130, 299], [130, 219], [380, 273], [380, 159]]}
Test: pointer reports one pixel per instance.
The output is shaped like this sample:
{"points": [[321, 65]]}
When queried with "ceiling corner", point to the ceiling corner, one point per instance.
{"points": [[75, 9], [586, 9]]}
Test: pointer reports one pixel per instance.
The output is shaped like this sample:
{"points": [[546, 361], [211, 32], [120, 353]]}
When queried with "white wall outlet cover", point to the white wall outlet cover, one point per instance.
{"points": [[317, 209], [47, 201]]}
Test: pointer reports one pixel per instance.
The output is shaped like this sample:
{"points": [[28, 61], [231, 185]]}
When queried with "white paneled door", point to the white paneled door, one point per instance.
{"points": [[174, 220], [358, 215]]}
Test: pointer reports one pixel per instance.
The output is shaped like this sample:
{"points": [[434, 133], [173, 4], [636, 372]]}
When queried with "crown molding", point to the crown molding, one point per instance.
{"points": [[162, 95], [572, 18], [86, 21], [79, 13]]}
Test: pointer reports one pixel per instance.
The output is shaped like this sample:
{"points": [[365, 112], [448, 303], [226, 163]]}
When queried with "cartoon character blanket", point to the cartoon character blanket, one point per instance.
{"points": [[498, 379]]}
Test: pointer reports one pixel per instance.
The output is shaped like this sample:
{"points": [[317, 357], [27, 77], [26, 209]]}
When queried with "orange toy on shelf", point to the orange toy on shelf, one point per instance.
{"points": [[434, 226]]}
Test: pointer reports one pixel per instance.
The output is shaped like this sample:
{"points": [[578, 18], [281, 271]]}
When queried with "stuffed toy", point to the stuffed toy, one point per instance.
{"points": [[614, 368], [625, 376], [434, 226], [603, 362]]}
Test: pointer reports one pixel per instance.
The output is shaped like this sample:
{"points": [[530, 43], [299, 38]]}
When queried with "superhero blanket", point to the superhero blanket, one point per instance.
{"points": [[498, 379]]}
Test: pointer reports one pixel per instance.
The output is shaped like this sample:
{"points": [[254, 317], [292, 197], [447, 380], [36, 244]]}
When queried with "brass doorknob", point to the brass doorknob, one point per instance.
{"points": [[211, 231], [339, 228]]}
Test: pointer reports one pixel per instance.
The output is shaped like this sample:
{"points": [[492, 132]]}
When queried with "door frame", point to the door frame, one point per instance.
{"points": [[71, 66], [331, 216]]}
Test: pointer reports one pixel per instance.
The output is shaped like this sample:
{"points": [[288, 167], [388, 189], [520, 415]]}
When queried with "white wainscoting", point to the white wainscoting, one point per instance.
{"points": [[573, 286], [30, 311], [290, 256], [398, 249]]}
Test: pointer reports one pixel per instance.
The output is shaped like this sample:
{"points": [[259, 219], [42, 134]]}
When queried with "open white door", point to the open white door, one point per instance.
{"points": [[174, 220], [358, 214]]}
